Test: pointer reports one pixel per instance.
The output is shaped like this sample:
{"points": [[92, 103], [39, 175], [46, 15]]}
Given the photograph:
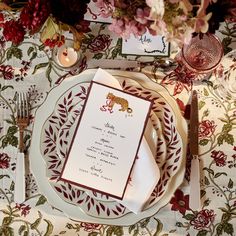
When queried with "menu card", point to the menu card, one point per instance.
{"points": [[106, 141]]}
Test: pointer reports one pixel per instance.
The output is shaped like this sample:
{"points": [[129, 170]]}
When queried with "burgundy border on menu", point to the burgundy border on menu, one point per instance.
{"points": [[77, 126]]}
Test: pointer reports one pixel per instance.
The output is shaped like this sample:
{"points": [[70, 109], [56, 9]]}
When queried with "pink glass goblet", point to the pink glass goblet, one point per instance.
{"points": [[203, 54]]}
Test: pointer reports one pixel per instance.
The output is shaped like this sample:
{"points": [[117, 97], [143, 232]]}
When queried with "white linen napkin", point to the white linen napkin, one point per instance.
{"points": [[145, 173]]}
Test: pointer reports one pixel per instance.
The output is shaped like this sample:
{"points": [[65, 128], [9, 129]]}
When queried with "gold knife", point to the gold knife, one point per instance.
{"points": [[194, 197]]}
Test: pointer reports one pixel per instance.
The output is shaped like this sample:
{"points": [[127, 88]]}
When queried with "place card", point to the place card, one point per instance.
{"points": [[106, 141], [146, 45]]}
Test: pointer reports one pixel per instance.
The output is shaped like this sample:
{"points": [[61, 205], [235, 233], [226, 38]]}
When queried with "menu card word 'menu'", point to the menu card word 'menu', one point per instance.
{"points": [[106, 140]]}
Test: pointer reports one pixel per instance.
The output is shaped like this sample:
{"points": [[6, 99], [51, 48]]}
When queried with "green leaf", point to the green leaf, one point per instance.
{"points": [[203, 193], [227, 128], [205, 92], [144, 223], [189, 216], [14, 51], [21, 229], [131, 228], [7, 220], [201, 104], [35, 224], [117, 50], [228, 228], [203, 142], [219, 174], [26, 233], [225, 217], [219, 229], [41, 200], [2, 176], [179, 224], [39, 66], [93, 234], [7, 231], [34, 55], [210, 171], [231, 183], [115, 230], [41, 47], [4, 87], [159, 227], [30, 50], [229, 139], [12, 130], [98, 56], [48, 72], [49, 228], [206, 181], [49, 29], [202, 233]]}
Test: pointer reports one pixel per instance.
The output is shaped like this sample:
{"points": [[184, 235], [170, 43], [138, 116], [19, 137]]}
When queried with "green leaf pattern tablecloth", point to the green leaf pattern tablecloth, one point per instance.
{"points": [[29, 67]]}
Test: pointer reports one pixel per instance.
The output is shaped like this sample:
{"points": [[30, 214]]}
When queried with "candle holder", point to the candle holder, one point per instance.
{"points": [[65, 56]]}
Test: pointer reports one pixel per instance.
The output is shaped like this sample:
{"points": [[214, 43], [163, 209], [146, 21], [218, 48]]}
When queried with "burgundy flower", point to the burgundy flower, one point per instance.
{"points": [[219, 157], [100, 43], [7, 72], [34, 14], [13, 31], [206, 128], [25, 209], [4, 161], [89, 227], [180, 202], [203, 219], [1, 20]]}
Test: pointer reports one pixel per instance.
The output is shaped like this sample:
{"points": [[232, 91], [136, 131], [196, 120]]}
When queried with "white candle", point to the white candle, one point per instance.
{"points": [[67, 56]]}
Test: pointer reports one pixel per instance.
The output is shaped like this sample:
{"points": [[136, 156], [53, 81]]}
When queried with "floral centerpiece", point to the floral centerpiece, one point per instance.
{"points": [[50, 17], [177, 20]]}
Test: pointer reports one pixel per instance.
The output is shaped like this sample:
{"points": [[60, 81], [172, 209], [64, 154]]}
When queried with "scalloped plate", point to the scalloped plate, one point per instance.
{"points": [[56, 119]]}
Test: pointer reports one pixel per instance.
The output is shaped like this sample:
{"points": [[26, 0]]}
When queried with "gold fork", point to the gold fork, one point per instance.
{"points": [[22, 121]]}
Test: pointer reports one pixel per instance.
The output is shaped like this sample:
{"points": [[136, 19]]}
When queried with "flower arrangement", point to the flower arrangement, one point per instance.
{"points": [[50, 17], [177, 20]]}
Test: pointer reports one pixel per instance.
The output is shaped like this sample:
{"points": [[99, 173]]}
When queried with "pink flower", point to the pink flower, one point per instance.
{"points": [[203, 219], [219, 157], [4, 161], [201, 23], [206, 128]]}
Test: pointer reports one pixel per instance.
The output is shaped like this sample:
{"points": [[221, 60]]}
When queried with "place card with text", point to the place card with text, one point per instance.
{"points": [[146, 45], [106, 140]]}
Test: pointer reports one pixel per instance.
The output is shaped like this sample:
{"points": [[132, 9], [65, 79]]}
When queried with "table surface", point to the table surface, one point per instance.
{"points": [[29, 67]]}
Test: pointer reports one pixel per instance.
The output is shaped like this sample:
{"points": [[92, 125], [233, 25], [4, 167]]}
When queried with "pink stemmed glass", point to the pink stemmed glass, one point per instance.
{"points": [[203, 54]]}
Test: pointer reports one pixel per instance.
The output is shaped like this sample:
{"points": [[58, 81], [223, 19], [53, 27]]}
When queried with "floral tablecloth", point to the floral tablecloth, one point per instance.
{"points": [[29, 67]]}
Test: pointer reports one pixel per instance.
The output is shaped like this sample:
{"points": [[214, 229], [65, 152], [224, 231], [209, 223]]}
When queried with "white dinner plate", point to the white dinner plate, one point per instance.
{"points": [[56, 119]]}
